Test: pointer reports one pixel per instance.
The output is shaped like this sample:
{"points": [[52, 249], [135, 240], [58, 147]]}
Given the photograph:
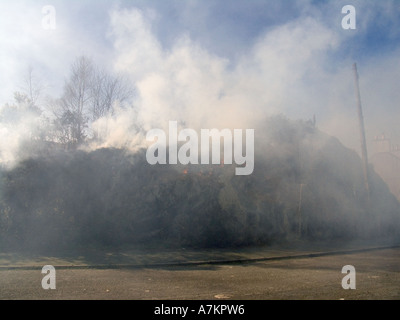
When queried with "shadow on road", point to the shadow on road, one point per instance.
{"points": [[162, 257]]}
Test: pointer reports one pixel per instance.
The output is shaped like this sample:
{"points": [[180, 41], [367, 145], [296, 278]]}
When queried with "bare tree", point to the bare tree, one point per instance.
{"points": [[106, 90], [32, 87], [89, 94], [77, 98]]}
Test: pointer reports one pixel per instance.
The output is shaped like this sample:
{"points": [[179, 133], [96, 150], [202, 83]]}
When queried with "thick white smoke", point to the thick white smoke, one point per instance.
{"points": [[287, 70], [201, 90]]}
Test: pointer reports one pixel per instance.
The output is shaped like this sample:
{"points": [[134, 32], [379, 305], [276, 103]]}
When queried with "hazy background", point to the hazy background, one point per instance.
{"points": [[215, 63]]}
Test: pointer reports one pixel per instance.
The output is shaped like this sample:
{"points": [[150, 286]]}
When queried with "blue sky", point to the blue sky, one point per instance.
{"points": [[219, 62]]}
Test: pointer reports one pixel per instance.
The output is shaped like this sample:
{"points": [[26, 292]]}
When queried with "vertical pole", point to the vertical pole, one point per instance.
{"points": [[299, 209], [362, 131]]}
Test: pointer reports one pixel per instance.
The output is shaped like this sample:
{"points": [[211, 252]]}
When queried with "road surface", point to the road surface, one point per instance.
{"points": [[377, 277]]}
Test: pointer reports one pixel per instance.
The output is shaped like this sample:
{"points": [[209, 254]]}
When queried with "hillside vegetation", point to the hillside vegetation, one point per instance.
{"points": [[305, 185]]}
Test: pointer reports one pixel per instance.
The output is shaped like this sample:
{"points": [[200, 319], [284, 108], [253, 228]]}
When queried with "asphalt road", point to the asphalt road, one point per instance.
{"points": [[377, 277]]}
